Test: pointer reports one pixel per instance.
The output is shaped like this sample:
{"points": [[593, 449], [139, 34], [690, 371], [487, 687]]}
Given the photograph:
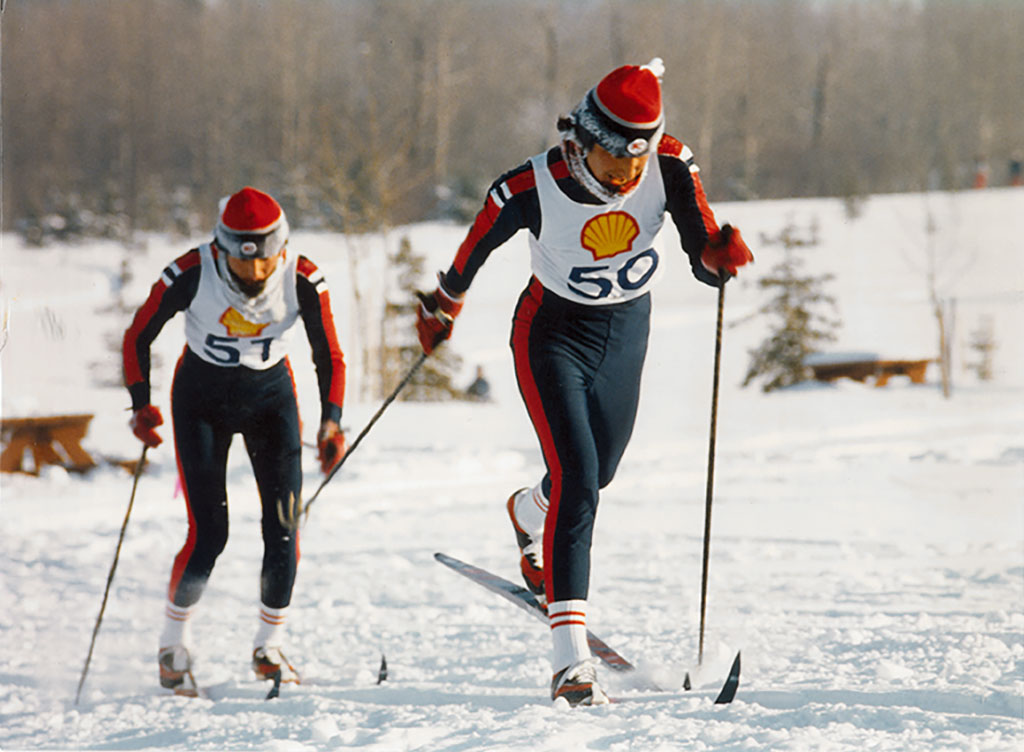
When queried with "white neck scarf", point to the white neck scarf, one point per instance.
{"points": [[576, 160], [239, 299]]}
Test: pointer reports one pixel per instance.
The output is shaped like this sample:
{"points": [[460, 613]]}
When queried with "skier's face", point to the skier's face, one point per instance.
{"points": [[252, 274], [617, 174]]}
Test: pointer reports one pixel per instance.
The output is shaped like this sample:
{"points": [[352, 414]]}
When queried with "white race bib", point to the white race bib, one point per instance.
{"points": [[227, 328], [598, 254]]}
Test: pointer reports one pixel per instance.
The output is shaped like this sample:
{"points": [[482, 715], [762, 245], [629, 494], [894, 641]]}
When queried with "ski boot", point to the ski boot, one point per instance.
{"points": [[531, 559], [578, 685], [269, 664], [176, 670]]}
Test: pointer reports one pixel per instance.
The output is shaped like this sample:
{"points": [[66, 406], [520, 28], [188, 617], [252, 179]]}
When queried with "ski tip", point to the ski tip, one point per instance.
{"points": [[449, 561], [687, 684], [732, 683], [735, 669], [382, 672]]}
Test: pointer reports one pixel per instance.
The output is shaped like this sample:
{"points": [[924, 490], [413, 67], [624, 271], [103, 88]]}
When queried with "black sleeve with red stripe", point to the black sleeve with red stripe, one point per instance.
{"points": [[686, 202], [173, 292], [328, 358], [511, 205]]}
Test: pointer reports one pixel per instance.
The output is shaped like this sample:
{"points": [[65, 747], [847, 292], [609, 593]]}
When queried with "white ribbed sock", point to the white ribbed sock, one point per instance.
{"points": [[568, 621], [271, 627], [177, 626]]}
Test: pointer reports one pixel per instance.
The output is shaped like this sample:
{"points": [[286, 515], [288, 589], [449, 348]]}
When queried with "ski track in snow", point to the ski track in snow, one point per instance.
{"points": [[867, 553]]}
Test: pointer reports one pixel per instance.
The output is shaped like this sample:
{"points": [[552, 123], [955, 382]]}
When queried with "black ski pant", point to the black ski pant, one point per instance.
{"points": [[578, 369], [209, 405]]}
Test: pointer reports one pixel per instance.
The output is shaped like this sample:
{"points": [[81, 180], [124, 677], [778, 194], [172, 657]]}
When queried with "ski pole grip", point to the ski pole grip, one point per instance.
{"points": [[431, 306]]}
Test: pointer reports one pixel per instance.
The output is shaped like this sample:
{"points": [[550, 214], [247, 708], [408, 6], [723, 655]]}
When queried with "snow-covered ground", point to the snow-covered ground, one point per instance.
{"points": [[867, 554]]}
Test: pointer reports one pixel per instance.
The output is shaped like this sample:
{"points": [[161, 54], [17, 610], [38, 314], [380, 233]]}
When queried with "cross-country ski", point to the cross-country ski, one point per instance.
{"points": [[523, 598]]}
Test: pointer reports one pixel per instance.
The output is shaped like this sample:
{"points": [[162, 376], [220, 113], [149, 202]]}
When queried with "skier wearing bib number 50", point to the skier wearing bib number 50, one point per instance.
{"points": [[242, 293], [593, 205]]}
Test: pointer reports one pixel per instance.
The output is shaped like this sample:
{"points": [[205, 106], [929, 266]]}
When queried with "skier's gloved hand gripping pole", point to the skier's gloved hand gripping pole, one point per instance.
{"points": [[436, 315], [725, 252], [434, 319]]}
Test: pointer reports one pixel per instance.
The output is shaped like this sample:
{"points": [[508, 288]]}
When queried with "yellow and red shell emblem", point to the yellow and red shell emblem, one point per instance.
{"points": [[608, 234], [238, 326]]}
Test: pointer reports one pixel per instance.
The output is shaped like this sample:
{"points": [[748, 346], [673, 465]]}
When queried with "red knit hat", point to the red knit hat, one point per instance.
{"points": [[623, 113], [251, 225]]}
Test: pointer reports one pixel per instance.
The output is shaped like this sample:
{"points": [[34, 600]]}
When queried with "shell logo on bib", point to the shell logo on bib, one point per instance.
{"points": [[608, 234], [238, 326]]}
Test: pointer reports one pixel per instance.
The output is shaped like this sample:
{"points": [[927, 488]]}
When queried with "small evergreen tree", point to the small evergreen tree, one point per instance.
{"points": [[797, 328], [983, 343], [399, 346]]}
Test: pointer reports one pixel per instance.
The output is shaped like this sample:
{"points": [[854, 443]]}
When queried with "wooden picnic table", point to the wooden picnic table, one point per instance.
{"points": [[861, 369], [53, 440]]}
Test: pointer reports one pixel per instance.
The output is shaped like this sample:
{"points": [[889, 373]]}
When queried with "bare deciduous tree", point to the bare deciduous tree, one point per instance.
{"points": [[117, 107]]}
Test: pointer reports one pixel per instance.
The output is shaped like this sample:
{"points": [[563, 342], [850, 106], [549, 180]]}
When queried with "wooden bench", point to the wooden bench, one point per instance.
{"points": [[54, 440], [863, 369]]}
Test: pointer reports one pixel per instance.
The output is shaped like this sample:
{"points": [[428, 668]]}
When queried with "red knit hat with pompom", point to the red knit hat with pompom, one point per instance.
{"points": [[251, 225], [623, 113]]}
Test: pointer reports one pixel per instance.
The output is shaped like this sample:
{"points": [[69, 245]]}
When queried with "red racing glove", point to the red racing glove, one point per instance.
{"points": [[726, 250], [436, 315], [331, 444], [144, 422]]}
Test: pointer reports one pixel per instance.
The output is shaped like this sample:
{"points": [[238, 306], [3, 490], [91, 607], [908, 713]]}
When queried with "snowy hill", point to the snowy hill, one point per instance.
{"points": [[868, 543]]}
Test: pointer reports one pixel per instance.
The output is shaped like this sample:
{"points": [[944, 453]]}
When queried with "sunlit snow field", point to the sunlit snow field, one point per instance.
{"points": [[867, 552]]}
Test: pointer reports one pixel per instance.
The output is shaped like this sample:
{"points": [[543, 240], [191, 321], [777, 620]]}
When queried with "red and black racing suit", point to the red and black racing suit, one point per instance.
{"points": [[578, 366], [211, 403]]}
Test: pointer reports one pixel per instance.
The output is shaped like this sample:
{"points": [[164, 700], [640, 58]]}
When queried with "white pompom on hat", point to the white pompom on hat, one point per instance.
{"points": [[251, 225], [623, 113]]}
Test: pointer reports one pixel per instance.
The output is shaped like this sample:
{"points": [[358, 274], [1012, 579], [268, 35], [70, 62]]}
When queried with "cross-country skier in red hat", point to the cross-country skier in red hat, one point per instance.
{"points": [[242, 294], [593, 205]]}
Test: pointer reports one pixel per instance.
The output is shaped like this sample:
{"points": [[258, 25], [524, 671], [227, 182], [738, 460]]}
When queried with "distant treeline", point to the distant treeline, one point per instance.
{"points": [[123, 115]]}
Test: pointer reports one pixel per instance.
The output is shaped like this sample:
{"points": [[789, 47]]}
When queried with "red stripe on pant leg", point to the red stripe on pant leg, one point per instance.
{"points": [[295, 393], [535, 408], [181, 560]]}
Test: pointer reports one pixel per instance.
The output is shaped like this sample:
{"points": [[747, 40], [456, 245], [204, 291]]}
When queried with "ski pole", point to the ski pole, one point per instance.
{"points": [[113, 568], [291, 516], [711, 465]]}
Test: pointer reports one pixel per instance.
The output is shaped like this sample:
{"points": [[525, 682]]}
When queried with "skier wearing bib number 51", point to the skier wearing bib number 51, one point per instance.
{"points": [[593, 205], [242, 293]]}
